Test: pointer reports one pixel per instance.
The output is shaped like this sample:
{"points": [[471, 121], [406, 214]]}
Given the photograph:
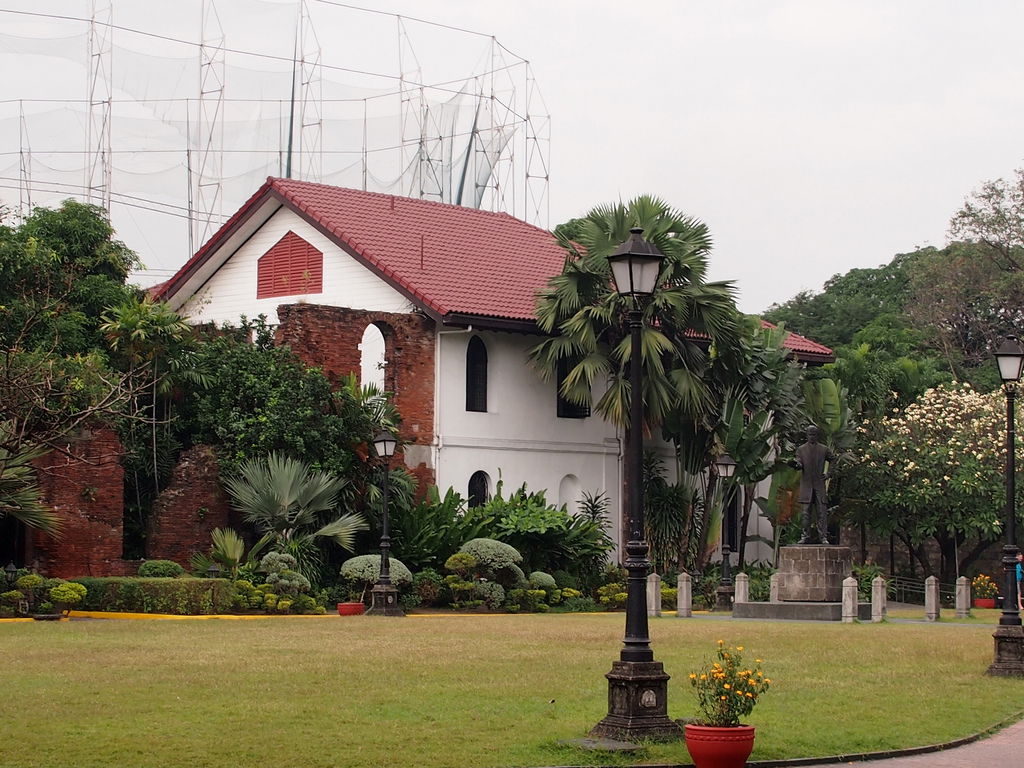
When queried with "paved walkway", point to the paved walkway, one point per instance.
{"points": [[1005, 748]]}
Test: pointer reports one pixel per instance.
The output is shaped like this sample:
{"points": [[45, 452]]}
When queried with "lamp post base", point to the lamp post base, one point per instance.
{"points": [[724, 596], [637, 704], [1009, 661], [384, 601]]}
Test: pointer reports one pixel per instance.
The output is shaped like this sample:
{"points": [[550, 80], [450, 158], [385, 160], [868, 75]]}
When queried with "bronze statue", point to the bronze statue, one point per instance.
{"points": [[810, 460]]}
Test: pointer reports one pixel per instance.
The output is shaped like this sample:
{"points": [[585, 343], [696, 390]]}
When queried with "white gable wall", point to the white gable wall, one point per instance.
{"points": [[231, 291]]}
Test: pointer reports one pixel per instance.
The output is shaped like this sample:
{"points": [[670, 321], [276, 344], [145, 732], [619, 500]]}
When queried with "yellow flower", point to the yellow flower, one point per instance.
{"points": [[726, 686], [750, 695], [759, 661], [721, 642], [693, 676], [739, 647], [723, 698]]}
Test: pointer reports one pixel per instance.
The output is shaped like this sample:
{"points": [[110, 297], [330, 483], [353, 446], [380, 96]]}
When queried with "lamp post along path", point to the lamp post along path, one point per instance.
{"points": [[384, 595], [637, 684], [1009, 635]]}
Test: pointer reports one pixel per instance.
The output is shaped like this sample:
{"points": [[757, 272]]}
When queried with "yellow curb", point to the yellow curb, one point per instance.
{"points": [[177, 617], [13, 620]]}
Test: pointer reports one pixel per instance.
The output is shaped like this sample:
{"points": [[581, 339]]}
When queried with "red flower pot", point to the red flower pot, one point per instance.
{"points": [[350, 609], [714, 747], [984, 602]]}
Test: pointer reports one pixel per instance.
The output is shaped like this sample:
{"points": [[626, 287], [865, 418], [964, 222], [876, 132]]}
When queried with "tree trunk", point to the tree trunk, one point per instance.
{"points": [[749, 489]]}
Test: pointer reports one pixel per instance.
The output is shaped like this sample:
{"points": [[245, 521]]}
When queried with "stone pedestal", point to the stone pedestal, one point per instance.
{"points": [[637, 704], [1009, 661], [813, 573], [384, 601]]}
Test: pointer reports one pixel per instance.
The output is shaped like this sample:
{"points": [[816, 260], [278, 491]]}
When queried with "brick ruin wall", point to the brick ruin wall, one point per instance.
{"points": [[329, 338], [87, 487]]}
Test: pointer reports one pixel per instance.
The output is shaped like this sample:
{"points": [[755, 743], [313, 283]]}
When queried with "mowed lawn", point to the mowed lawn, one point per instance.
{"points": [[463, 691]]}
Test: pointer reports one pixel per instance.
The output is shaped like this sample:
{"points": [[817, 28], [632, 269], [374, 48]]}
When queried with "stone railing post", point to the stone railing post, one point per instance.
{"points": [[849, 600], [879, 607], [931, 599], [684, 596], [742, 588], [963, 597], [654, 595], [773, 588]]}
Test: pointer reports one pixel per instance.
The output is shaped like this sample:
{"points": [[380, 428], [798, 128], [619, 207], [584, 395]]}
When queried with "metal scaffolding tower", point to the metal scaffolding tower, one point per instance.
{"points": [[98, 167]]}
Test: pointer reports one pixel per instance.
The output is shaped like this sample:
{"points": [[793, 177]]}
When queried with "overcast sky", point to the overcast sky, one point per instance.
{"points": [[811, 136]]}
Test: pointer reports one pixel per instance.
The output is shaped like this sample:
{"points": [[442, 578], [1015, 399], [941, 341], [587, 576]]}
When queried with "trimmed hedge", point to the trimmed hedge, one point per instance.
{"points": [[180, 596]]}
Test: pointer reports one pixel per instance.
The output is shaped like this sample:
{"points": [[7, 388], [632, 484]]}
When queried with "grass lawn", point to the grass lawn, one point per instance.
{"points": [[462, 691]]}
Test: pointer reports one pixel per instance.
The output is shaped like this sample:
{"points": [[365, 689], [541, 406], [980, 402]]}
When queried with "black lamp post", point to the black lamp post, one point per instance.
{"points": [[725, 468], [1009, 635], [384, 595], [10, 572], [637, 684]]}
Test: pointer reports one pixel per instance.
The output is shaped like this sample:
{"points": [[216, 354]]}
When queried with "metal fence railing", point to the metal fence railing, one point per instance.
{"points": [[902, 589]]}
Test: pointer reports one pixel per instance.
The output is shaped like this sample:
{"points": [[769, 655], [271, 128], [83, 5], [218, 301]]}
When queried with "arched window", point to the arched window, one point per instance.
{"points": [[476, 375], [292, 267], [569, 493], [479, 489], [371, 357]]}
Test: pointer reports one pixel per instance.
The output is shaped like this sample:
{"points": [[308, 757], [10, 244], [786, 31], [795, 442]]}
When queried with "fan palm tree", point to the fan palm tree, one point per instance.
{"points": [[287, 502], [20, 497]]}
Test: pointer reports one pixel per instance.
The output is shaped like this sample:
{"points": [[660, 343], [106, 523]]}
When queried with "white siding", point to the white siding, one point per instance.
{"points": [[519, 439], [231, 291]]}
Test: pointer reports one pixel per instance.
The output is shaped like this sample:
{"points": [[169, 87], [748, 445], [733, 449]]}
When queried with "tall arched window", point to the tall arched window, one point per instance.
{"points": [[569, 493], [479, 488], [371, 357], [476, 375]]}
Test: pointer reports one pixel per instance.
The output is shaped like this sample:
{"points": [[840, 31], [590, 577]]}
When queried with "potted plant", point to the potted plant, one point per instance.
{"points": [[984, 591], [66, 595], [727, 690]]}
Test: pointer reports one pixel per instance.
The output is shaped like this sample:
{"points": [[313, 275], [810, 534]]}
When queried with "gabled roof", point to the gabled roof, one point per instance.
{"points": [[459, 265], [804, 348]]}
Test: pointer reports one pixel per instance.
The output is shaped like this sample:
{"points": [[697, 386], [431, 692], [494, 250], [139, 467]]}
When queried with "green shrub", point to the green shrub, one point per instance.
{"points": [[612, 595], [541, 580], [29, 582], [289, 583], [491, 593], [270, 601], [460, 588], [527, 599], [303, 604], [428, 586], [568, 593], [580, 604], [491, 555], [12, 597], [512, 576], [865, 574], [46, 607], [284, 605], [461, 563], [365, 570], [409, 600], [68, 593], [160, 569], [565, 579], [184, 596], [669, 598]]}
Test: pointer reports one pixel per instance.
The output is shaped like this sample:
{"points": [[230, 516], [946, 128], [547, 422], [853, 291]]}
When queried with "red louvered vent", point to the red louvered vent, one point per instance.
{"points": [[292, 267]]}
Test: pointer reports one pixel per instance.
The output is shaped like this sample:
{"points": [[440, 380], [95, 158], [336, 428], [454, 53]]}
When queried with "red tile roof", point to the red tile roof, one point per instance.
{"points": [[804, 346], [448, 259]]}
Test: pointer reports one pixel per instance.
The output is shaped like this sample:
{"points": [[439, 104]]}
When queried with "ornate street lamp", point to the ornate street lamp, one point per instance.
{"points": [[725, 468], [10, 572], [637, 684], [1009, 635], [213, 571], [384, 595]]}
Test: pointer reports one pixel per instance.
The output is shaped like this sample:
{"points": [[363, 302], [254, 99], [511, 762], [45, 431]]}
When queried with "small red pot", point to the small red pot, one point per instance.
{"points": [[984, 602], [713, 747], [350, 609]]}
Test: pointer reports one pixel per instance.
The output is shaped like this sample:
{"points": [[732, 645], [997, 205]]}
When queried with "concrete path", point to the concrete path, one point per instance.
{"points": [[1005, 748]]}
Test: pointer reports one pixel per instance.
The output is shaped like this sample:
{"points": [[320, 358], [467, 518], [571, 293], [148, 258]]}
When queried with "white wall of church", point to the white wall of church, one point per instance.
{"points": [[520, 438], [231, 290]]}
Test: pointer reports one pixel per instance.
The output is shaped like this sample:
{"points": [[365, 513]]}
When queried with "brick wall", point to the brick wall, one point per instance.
{"points": [[189, 508], [329, 338], [86, 488]]}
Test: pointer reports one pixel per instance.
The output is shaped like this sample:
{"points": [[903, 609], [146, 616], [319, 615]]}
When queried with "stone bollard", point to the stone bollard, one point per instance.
{"points": [[654, 595], [849, 600], [684, 596], [878, 599], [742, 588], [963, 598], [931, 599], [773, 588]]}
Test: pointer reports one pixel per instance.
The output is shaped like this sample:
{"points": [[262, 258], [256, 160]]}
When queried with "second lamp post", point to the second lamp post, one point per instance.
{"points": [[384, 595], [637, 684]]}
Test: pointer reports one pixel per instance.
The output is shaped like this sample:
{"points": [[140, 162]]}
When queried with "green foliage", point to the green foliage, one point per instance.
{"points": [[291, 505], [490, 593], [526, 600], [261, 399], [29, 582], [428, 586], [668, 519], [612, 595], [669, 598], [462, 564], [544, 581], [426, 534], [365, 571], [492, 557], [984, 587], [160, 568], [69, 593], [865, 574], [182, 596], [760, 580]]}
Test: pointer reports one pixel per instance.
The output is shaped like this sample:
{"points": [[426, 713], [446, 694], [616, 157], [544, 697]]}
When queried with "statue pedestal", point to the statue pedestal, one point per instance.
{"points": [[813, 573]]}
